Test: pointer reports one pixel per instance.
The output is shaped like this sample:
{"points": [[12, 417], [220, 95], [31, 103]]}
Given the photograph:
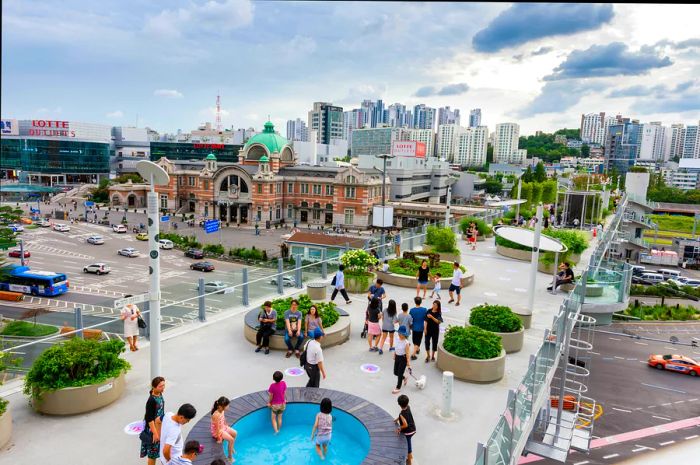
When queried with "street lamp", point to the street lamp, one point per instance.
{"points": [[451, 179], [156, 176], [382, 225], [520, 185]]}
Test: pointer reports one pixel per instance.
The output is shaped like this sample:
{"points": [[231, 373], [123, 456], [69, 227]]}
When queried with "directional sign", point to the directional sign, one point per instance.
{"points": [[165, 218], [89, 203], [137, 299], [211, 226]]}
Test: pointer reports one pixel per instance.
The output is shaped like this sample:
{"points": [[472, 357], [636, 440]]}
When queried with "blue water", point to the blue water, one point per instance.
{"points": [[257, 443]]}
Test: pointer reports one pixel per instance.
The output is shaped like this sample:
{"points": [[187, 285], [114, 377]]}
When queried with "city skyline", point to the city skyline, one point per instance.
{"points": [[164, 67]]}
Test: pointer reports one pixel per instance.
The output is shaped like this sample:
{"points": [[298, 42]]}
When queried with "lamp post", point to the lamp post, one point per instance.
{"points": [[452, 179], [384, 157], [520, 186]]}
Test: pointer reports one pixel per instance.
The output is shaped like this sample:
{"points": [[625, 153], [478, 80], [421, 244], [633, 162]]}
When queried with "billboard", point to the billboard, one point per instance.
{"points": [[408, 148], [9, 127]]}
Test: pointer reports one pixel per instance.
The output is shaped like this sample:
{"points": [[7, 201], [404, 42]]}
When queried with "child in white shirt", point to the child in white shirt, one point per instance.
{"points": [[437, 287]]}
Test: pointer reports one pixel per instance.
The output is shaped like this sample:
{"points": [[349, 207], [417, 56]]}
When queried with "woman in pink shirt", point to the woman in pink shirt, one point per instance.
{"points": [[278, 401]]}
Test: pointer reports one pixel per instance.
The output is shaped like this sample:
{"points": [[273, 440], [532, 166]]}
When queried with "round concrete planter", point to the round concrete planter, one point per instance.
{"points": [[411, 282], [356, 285], [471, 369], [526, 318], [336, 334], [512, 342], [447, 257], [526, 256], [74, 400], [5, 427]]}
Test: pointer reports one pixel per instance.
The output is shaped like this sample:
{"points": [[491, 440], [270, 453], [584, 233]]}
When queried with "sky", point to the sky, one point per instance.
{"points": [[161, 64]]}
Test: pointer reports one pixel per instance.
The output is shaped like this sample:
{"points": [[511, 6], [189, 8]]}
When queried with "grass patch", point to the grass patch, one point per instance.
{"points": [[659, 241], [663, 312], [24, 328], [667, 234], [677, 223]]}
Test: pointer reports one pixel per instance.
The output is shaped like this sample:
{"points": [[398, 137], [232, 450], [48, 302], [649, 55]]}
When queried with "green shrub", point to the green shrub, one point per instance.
{"points": [[495, 318], [326, 310], [663, 312], [472, 342], [408, 267], [357, 261], [74, 363], [481, 226], [25, 328], [441, 239], [576, 241], [216, 249]]}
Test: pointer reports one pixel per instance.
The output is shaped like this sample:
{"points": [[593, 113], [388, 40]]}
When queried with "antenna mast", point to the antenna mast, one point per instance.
{"points": [[218, 113]]}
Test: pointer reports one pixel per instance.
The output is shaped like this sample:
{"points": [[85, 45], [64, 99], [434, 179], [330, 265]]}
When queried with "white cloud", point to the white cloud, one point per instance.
{"points": [[167, 93], [211, 17], [115, 114], [43, 111]]}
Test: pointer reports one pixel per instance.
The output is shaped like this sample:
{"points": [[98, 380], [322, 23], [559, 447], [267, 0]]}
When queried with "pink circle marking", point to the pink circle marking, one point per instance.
{"points": [[295, 371], [370, 368]]}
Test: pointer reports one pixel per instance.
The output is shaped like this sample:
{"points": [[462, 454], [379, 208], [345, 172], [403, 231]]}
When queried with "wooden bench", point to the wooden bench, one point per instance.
{"points": [[87, 333]]}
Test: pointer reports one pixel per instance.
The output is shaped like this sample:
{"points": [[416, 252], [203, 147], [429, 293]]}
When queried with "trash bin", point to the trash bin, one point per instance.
{"points": [[267, 224], [316, 291]]}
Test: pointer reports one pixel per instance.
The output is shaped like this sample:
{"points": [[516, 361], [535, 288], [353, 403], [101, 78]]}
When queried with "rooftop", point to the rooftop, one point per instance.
{"points": [[302, 237]]}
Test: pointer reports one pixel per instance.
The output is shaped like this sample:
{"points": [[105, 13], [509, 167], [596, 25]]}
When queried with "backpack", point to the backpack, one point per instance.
{"points": [[302, 357], [333, 281]]}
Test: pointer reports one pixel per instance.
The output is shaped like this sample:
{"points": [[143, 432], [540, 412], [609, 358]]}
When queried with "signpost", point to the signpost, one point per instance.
{"points": [[165, 218], [136, 299], [211, 226]]}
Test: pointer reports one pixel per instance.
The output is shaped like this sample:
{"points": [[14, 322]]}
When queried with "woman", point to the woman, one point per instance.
{"points": [[220, 430], [473, 235], [155, 410], [374, 314], [432, 330], [312, 321], [130, 314], [389, 319], [423, 276]]}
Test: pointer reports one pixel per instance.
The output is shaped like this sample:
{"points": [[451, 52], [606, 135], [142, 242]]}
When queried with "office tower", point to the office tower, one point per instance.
{"points": [[327, 120], [622, 144], [471, 146], [297, 130], [475, 118], [423, 117], [447, 116]]}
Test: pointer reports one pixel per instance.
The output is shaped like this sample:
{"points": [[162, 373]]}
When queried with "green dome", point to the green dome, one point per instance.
{"points": [[211, 156], [274, 142], [264, 159]]}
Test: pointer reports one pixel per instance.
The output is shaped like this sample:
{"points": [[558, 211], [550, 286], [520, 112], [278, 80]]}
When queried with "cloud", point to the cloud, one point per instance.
{"points": [[541, 51], [524, 22], [213, 17], [636, 91], [167, 93], [358, 93], [43, 111], [559, 96], [115, 114], [449, 89], [685, 96], [613, 59]]}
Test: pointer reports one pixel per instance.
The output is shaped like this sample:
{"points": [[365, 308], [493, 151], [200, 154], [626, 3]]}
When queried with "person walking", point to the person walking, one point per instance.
{"points": [[472, 236], [292, 326], [268, 320], [456, 284], [397, 244], [404, 318], [312, 321], [130, 315], [220, 430], [339, 285], [432, 330], [314, 360], [418, 314], [406, 425], [437, 286], [153, 419], [401, 359], [389, 319], [171, 443], [374, 330]]}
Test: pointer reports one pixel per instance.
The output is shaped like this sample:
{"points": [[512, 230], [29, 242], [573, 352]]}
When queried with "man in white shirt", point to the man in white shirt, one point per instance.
{"points": [[171, 443], [314, 360], [456, 284]]}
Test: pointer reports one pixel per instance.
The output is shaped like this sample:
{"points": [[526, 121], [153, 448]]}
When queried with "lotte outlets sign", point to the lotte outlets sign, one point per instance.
{"points": [[50, 128], [408, 148]]}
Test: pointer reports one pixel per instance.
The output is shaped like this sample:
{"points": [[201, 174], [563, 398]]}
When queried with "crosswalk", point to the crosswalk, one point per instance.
{"points": [[35, 245]]}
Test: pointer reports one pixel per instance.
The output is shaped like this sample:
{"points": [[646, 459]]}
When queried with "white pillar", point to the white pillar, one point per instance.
{"points": [[448, 379], [154, 285], [448, 199], [535, 260]]}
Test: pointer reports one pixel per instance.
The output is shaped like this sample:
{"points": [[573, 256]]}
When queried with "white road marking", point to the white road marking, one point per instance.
{"points": [[679, 402], [642, 448], [614, 339], [692, 400], [641, 343], [610, 456], [594, 353], [664, 388], [691, 437], [633, 359], [667, 403], [619, 358], [666, 443], [582, 463], [661, 418], [651, 406], [622, 410]]}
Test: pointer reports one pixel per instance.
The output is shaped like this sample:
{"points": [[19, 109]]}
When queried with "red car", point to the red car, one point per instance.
{"points": [[16, 253], [677, 363]]}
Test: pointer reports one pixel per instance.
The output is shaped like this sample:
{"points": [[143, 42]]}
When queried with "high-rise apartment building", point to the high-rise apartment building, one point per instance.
{"points": [[427, 136], [374, 113], [297, 130], [594, 127], [448, 116], [655, 143], [622, 144], [691, 142], [398, 116], [505, 144], [423, 117], [353, 119], [447, 138], [475, 118], [677, 140], [471, 147], [327, 120]]}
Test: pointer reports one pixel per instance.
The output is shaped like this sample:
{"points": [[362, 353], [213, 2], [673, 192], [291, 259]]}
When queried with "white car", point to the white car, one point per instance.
{"points": [[119, 228], [287, 281], [683, 281], [128, 252], [215, 286], [165, 244], [44, 223], [16, 227], [96, 240], [97, 268], [61, 227]]}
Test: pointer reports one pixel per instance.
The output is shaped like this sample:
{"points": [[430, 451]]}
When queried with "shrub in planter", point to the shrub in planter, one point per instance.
{"points": [[481, 226], [357, 264], [409, 267], [472, 342], [215, 249], [326, 310], [442, 239], [495, 318], [77, 362]]}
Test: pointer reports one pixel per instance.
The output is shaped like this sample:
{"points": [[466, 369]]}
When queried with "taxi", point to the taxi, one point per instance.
{"points": [[142, 236], [677, 363]]}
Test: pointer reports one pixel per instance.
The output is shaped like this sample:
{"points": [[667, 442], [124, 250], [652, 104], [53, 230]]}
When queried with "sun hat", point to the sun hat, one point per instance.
{"points": [[403, 331]]}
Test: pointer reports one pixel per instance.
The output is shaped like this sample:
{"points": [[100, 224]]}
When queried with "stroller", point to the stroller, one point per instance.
{"points": [[363, 334]]}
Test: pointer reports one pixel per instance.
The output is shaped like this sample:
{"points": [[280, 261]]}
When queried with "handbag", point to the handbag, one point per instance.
{"points": [[333, 281], [141, 322], [302, 357], [146, 435]]}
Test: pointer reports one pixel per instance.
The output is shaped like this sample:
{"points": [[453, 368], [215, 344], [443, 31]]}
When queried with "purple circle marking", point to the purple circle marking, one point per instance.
{"points": [[294, 371], [370, 368], [134, 428]]}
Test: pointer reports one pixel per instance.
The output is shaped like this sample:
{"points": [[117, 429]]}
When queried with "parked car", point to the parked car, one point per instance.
{"points": [[16, 227], [684, 281], [215, 286], [166, 244], [128, 252], [287, 281], [648, 278], [637, 270], [669, 274], [119, 228], [61, 227], [194, 253], [97, 268], [677, 363], [96, 240], [104, 221], [44, 223], [24, 220], [142, 236], [17, 254], [202, 266]]}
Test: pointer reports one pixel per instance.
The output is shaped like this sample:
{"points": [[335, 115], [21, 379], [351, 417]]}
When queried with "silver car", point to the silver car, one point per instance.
{"points": [[97, 268], [287, 281], [128, 252], [215, 286], [96, 240]]}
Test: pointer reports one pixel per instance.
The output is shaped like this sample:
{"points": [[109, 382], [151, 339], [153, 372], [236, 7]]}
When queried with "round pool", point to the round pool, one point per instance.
{"points": [[257, 444]]}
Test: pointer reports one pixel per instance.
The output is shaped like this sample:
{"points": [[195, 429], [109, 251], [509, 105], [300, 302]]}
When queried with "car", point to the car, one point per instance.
{"points": [[287, 281], [61, 227], [165, 244], [104, 221], [202, 266], [97, 268], [215, 286], [44, 223], [25, 220], [17, 254], [96, 240], [637, 270], [194, 253], [16, 227], [128, 252], [648, 278], [119, 228], [142, 236], [677, 363]]}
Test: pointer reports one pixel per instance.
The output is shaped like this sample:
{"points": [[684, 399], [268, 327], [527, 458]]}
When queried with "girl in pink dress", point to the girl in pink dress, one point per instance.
{"points": [[220, 430]]}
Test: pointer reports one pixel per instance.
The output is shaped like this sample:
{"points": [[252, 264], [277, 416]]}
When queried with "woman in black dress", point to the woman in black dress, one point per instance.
{"points": [[432, 330], [423, 276]]}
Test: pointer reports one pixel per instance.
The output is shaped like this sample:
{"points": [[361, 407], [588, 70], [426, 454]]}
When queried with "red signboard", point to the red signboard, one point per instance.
{"points": [[208, 146], [50, 128], [408, 148], [420, 149]]}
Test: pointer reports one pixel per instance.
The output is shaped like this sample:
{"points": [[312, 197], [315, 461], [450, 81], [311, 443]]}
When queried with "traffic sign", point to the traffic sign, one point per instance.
{"points": [[165, 218], [211, 226], [136, 299], [89, 203]]}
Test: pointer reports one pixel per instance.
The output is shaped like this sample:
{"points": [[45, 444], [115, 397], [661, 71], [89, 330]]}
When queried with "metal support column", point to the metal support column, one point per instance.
{"points": [[280, 276], [297, 271], [324, 264], [200, 301], [246, 300], [79, 322]]}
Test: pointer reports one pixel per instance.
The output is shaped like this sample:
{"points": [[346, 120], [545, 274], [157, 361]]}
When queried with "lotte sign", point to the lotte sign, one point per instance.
{"points": [[408, 148], [50, 128]]}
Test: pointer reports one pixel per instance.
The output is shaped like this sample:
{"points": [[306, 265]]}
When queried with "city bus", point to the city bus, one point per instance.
{"points": [[44, 283]]}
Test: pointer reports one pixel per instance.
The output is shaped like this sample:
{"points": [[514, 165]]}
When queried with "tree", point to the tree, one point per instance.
{"points": [[493, 186], [527, 175], [489, 153], [585, 151], [100, 194], [540, 174], [133, 177]]}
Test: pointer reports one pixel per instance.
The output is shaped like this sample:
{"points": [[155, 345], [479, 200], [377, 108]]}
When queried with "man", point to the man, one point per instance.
{"points": [[339, 285], [314, 360], [171, 432], [268, 320], [192, 449], [418, 314], [397, 244], [456, 284], [292, 323], [377, 290], [565, 275]]}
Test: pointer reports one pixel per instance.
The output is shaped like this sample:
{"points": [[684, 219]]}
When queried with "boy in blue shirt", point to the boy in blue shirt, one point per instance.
{"points": [[418, 314]]}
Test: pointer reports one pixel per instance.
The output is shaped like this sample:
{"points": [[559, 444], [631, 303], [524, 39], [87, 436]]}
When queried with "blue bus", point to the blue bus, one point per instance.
{"points": [[44, 283]]}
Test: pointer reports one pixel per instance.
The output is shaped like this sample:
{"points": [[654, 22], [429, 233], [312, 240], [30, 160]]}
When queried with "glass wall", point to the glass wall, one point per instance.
{"points": [[190, 151], [54, 156]]}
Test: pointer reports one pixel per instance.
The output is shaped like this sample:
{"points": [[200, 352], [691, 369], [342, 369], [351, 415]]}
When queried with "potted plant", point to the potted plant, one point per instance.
{"points": [[443, 241], [501, 320], [472, 354], [357, 263], [77, 376], [402, 271]]}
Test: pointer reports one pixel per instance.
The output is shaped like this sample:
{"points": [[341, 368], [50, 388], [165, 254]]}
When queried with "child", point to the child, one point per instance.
{"points": [[437, 287], [278, 401], [401, 356], [404, 318], [323, 427], [220, 430], [385, 266], [406, 425]]}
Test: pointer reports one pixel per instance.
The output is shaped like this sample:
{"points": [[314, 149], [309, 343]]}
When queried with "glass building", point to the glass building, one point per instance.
{"points": [[622, 145], [375, 141], [194, 151]]}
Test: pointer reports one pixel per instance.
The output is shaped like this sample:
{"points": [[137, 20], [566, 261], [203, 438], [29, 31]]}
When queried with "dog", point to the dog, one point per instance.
{"points": [[420, 382]]}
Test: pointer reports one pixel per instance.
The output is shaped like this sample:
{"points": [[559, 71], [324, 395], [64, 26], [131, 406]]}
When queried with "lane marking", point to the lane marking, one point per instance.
{"points": [[642, 448], [692, 400], [619, 358], [661, 418], [610, 456], [622, 410], [614, 339], [594, 353], [664, 388], [691, 437], [666, 443], [582, 463], [634, 359], [641, 343], [667, 403], [679, 402], [651, 406]]}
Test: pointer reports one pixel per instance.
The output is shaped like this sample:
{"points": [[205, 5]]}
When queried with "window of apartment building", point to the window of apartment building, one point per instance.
{"points": [[191, 181], [317, 189], [349, 216], [259, 188], [329, 189], [349, 192], [258, 214], [279, 188], [304, 188], [290, 211], [163, 201], [206, 185], [290, 188]]}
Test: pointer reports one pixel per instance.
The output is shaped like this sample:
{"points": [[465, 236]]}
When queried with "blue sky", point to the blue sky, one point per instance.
{"points": [[540, 65]]}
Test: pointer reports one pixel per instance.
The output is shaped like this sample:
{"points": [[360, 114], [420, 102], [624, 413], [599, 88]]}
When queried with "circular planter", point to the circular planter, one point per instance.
{"points": [[5, 427], [356, 285], [526, 256], [74, 400], [471, 369], [411, 282], [526, 318], [447, 257], [512, 342], [334, 335]]}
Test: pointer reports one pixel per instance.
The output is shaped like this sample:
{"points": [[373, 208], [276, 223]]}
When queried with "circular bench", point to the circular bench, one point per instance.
{"points": [[402, 280]]}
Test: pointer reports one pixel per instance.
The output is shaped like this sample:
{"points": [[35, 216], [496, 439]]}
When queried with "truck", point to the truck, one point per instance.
{"points": [[659, 257]]}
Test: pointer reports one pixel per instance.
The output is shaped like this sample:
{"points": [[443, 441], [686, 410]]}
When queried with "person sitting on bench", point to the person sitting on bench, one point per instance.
{"points": [[565, 276]]}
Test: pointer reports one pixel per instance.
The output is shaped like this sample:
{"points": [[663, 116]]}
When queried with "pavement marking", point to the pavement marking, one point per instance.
{"points": [[610, 456], [608, 358], [667, 403], [641, 343], [679, 402], [651, 406], [582, 463], [594, 353], [692, 400], [664, 388], [661, 418], [642, 448], [614, 339], [622, 410], [634, 359], [691, 437], [619, 358], [666, 443]]}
